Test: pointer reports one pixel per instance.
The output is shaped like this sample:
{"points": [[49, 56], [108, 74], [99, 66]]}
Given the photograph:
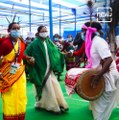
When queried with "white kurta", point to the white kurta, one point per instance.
{"points": [[52, 96], [103, 106]]}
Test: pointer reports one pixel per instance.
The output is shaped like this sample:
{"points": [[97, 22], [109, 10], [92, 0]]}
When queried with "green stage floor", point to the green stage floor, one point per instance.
{"points": [[78, 108]]}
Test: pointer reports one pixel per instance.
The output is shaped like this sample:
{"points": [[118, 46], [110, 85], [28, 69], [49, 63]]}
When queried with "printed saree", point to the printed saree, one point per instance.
{"points": [[14, 100]]}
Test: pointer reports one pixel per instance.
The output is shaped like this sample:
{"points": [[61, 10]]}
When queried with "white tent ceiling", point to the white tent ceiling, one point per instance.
{"points": [[62, 12]]}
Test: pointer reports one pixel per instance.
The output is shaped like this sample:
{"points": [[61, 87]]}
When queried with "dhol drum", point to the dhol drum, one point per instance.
{"points": [[81, 83]]}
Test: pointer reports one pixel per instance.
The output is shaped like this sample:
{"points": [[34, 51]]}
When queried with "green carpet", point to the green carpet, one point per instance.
{"points": [[78, 108]]}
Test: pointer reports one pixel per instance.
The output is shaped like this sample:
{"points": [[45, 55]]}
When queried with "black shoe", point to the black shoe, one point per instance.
{"points": [[38, 108], [57, 113], [64, 109]]}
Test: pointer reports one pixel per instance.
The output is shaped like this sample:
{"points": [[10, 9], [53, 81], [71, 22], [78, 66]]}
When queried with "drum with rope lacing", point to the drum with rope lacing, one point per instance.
{"points": [[80, 79]]}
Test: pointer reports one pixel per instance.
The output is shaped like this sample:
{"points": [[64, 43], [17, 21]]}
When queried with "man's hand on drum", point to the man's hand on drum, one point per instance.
{"points": [[95, 80]]}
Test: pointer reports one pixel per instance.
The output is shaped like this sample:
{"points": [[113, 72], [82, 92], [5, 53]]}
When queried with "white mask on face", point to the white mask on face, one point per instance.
{"points": [[15, 33], [43, 35], [97, 33], [69, 39], [82, 36]]}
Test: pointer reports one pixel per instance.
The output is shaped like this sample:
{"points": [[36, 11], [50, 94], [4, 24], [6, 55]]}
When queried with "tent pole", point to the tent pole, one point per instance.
{"points": [[75, 22], [29, 15], [59, 19], [50, 18]]}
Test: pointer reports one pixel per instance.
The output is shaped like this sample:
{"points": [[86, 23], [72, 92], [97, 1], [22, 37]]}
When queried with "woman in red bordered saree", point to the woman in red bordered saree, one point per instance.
{"points": [[12, 74]]}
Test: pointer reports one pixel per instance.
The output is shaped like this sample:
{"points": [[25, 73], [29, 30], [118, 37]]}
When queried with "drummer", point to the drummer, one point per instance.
{"points": [[99, 56]]}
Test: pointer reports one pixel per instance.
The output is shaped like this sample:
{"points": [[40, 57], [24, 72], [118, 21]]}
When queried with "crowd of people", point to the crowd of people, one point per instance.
{"points": [[44, 58]]}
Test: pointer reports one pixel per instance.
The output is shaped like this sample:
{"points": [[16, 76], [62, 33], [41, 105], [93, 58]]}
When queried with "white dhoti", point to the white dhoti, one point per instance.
{"points": [[103, 106], [52, 97]]}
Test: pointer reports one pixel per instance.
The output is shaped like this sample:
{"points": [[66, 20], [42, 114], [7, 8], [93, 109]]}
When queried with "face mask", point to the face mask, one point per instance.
{"points": [[97, 33], [15, 33], [69, 39], [83, 36], [56, 39], [43, 35]]}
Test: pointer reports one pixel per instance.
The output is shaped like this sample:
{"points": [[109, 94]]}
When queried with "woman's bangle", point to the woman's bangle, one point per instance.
{"points": [[0, 73]]}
